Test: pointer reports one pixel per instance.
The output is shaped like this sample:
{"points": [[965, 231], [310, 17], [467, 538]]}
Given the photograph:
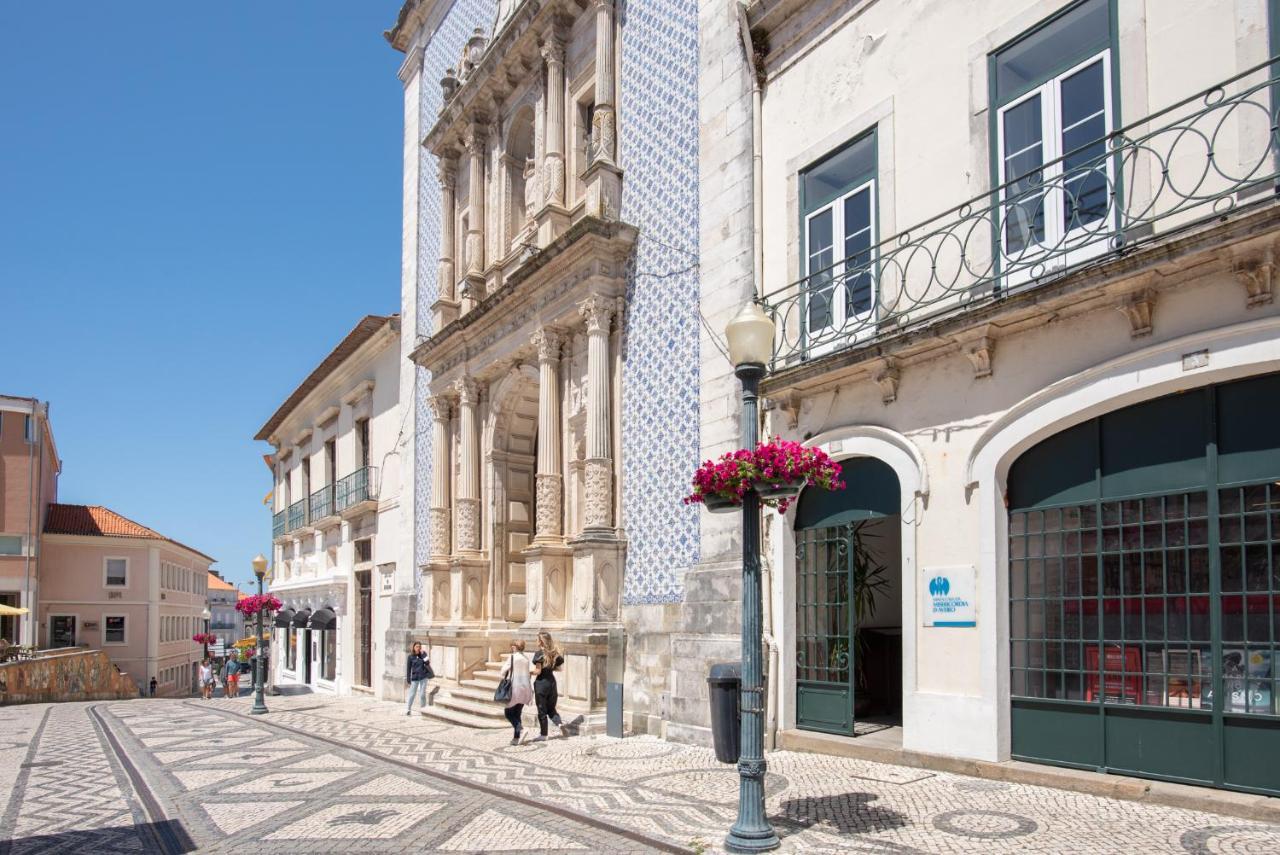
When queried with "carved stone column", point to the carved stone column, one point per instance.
{"points": [[477, 142], [604, 127], [468, 492], [548, 480], [553, 167], [445, 309], [598, 311], [441, 472]]}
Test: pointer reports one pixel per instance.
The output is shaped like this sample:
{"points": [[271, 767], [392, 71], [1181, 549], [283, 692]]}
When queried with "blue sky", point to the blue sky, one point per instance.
{"points": [[197, 201]]}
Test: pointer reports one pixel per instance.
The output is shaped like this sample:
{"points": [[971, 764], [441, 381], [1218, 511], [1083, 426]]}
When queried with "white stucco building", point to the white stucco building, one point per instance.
{"points": [[1020, 256], [336, 513]]}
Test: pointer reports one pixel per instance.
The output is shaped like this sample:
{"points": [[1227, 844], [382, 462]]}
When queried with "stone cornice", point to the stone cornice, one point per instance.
{"points": [[590, 251]]}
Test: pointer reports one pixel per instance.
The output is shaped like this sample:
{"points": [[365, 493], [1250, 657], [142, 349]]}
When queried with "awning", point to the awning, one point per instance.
{"points": [[284, 617], [300, 619], [324, 619]]}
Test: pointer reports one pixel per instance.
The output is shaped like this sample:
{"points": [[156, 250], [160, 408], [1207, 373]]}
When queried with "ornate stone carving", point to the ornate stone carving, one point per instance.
{"points": [[606, 593], [449, 85], [549, 490], [603, 135], [447, 174], [1138, 307], [597, 311], [548, 341], [553, 48], [979, 352], [887, 378], [439, 531], [1256, 277], [599, 482], [555, 178], [468, 524], [440, 406], [468, 391]]}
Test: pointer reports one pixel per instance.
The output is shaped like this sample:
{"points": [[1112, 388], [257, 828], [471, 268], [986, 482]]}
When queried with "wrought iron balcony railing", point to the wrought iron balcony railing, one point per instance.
{"points": [[1195, 161], [278, 523], [357, 487], [297, 515], [322, 503]]}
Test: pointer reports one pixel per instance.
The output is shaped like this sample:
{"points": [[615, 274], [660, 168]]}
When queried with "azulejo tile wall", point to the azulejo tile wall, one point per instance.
{"points": [[658, 130], [658, 141], [440, 53]]}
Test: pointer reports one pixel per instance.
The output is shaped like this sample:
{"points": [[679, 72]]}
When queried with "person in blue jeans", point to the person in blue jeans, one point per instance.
{"points": [[417, 673]]}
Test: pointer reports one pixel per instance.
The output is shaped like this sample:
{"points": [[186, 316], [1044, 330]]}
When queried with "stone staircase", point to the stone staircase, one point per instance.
{"points": [[471, 703]]}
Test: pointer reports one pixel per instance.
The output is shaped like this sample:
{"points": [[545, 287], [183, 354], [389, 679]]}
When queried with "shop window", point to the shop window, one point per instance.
{"points": [[329, 654]]}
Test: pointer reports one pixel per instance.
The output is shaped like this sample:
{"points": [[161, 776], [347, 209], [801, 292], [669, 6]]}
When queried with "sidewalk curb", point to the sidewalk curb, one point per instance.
{"points": [[1226, 802]]}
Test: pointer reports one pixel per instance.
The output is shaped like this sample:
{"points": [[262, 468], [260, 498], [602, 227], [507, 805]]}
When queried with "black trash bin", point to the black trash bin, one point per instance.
{"points": [[723, 686]]}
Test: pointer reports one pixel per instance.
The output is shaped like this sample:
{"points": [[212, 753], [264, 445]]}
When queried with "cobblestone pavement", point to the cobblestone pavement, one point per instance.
{"points": [[321, 775]]}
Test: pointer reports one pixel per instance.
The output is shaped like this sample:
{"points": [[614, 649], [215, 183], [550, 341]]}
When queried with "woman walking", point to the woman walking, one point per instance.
{"points": [[206, 679], [545, 692], [417, 673], [517, 670]]}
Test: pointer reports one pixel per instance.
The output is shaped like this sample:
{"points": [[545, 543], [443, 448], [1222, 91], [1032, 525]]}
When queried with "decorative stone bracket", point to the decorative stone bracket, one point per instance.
{"points": [[1255, 275], [1138, 307], [887, 376]]}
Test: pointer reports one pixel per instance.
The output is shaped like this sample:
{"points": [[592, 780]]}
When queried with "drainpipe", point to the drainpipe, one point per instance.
{"points": [[757, 268], [32, 500]]}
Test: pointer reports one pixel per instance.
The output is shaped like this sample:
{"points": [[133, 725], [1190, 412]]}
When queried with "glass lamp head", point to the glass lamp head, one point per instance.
{"points": [[750, 336], [260, 565]]}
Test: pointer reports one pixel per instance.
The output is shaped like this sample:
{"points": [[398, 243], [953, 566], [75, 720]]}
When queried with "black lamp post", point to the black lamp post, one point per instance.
{"points": [[750, 336], [259, 672]]}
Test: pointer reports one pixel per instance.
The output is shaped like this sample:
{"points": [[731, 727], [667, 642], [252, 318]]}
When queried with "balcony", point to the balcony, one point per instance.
{"points": [[357, 493], [1202, 162], [297, 515], [322, 508], [278, 525]]}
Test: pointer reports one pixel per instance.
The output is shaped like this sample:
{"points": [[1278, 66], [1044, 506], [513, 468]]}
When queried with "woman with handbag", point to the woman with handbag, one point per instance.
{"points": [[545, 692], [515, 688], [417, 673]]}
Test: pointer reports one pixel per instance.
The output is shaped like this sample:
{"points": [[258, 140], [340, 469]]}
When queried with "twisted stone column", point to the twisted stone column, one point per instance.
{"points": [[553, 158], [468, 492], [598, 311], [548, 482], [441, 476]]}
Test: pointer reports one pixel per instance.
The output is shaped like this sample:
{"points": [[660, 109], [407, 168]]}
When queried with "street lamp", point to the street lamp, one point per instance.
{"points": [[259, 675], [750, 336], [207, 616]]}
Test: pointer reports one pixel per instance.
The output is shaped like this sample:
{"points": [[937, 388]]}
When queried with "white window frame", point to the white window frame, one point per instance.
{"points": [[1056, 235], [22, 545], [838, 295], [106, 562], [124, 631]]}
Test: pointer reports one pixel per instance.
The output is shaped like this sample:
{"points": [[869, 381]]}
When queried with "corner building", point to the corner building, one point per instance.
{"points": [[550, 272], [1020, 255]]}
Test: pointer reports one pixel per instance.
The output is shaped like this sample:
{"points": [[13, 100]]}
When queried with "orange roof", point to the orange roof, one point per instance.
{"points": [[217, 584], [97, 521], [241, 596]]}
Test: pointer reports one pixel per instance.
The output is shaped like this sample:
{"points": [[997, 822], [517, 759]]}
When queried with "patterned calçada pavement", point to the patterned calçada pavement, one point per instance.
{"points": [[319, 774]]}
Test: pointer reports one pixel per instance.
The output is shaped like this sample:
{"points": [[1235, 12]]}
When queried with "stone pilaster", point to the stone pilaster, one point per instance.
{"points": [[548, 483], [598, 311], [441, 471], [604, 123], [445, 308], [468, 487], [553, 160], [477, 143]]}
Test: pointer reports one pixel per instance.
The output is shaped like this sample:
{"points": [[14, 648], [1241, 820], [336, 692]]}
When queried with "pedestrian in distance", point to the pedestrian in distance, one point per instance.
{"points": [[545, 692], [231, 678], [416, 673], [517, 670], [152, 687], [206, 679]]}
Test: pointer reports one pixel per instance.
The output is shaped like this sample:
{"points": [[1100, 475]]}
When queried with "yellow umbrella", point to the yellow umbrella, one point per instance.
{"points": [[12, 611]]}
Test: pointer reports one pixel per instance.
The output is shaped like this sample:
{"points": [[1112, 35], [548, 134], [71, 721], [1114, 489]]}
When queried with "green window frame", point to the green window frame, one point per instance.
{"points": [[1056, 190], [839, 234]]}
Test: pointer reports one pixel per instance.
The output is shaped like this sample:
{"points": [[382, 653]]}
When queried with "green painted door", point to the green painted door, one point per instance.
{"points": [[1144, 590], [827, 567]]}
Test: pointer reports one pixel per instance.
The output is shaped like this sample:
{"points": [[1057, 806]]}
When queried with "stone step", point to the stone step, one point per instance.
{"points": [[471, 706], [469, 690], [463, 719]]}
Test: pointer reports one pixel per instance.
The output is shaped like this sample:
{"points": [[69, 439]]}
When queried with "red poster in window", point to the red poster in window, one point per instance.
{"points": [[1118, 687]]}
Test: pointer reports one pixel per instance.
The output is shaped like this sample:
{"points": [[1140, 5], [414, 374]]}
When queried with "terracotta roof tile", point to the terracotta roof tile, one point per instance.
{"points": [[216, 583], [97, 521]]}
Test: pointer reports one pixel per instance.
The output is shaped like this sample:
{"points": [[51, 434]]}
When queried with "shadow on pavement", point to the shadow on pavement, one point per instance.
{"points": [[166, 837]]}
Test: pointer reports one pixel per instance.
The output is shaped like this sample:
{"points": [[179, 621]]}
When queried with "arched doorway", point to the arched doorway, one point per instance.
{"points": [[1144, 590], [848, 561], [513, 458]]}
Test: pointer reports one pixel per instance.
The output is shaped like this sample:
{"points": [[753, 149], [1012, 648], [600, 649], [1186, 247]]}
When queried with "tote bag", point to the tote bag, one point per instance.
{"points": [[502, 694]]}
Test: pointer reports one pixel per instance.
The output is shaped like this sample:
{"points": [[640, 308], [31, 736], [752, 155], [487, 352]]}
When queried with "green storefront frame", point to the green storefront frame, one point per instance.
{"points": [[1144, 571]]}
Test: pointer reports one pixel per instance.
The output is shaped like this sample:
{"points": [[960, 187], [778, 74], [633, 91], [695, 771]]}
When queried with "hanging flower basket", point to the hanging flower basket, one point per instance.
{"points": [[251, 605], [204, 638], [777, 471]]}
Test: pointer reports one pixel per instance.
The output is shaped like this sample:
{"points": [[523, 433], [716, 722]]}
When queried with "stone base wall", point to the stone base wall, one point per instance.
{"points": [[397, 641], [85, 675]]}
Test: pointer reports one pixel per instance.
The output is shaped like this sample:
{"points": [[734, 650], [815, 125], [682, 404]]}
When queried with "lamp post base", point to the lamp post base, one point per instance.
{"points": [[759, 842]]}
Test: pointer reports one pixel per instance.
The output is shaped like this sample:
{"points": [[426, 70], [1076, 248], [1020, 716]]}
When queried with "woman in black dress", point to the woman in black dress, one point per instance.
{"points": [[546, 661]]}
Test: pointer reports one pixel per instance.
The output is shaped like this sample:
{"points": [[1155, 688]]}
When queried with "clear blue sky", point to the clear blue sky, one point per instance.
{"points": [[197, 201]]}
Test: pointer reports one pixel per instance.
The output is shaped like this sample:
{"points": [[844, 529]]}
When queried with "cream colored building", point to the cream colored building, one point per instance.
{"points": [[1020, 255], [336, 514]]}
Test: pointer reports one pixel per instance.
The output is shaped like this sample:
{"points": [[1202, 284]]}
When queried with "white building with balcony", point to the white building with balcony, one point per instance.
{"points": [[1020, 256], [336, 513]]}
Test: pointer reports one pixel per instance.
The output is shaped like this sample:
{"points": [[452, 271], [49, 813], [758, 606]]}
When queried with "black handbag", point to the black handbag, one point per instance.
{"points": [[502, 694]]}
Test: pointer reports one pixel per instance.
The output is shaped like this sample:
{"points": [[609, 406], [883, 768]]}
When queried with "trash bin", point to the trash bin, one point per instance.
{"points": [[723, 686]]}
